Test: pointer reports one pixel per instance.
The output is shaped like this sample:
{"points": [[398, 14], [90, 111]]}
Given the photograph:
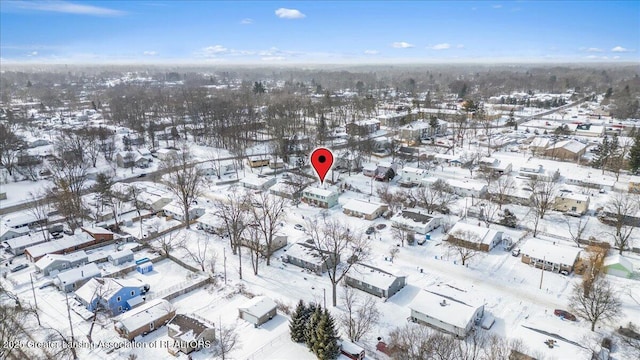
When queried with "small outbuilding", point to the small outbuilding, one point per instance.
{"points": [[618, 265], [258, 310], [120, 257]]}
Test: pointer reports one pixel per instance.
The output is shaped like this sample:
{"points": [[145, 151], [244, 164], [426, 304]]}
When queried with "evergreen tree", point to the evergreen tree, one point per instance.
{"points": [[634, 154], [312, 324], [298, 322], [508, 218], [326, 341]]}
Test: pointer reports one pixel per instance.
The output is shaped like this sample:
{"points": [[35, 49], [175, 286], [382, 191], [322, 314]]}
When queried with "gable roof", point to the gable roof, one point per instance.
{"points": [[259, 306]]}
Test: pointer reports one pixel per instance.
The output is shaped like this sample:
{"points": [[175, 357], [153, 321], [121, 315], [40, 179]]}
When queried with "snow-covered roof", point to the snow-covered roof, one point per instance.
{"points": [[416, 125], [373, 276], [360, 206], [618, 259], [484, 234], [306, 253], [469, 184], [210, 219], [97, 230], [120, 254], [556, 254], [173, 207], [51, 258], [105, 287], [258, 306], [67, 242], [16, 220], [569, 145], [540, 142], [255, 181], [83, 272], [412, 170], [24, 240], [320, 192], [573, 196], [440, 308], [186, 327], [145, 314]]}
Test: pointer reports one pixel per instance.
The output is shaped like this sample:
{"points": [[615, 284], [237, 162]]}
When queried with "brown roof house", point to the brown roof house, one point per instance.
{"points": [[189, 334]]}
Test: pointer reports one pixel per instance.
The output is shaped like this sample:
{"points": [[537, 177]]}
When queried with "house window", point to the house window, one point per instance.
{"points": [[133, 292], [118, 299], [119, 308]]}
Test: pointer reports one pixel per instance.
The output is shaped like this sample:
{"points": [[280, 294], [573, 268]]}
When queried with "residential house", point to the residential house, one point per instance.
{"points": [[587, 129], [617, 265], [174, 210], [211, 223], [120, 257], [572, 203], [325, 198], [52, 264], [62, 246], [189, 334], [566, 150], [73, 279], [386, 171], [258, 310], [445, 311], [348, 160], [416, 220], [129, 159], [369, 170], [258, 161], [531, 171], [364, 209], [154, 201], [166, 154], [413, 132], [114, 295], [374, 280], [474, 237], [467, 187], [307, 257], [144, 319], [553, 256], [278, 242], [410, 176], [98, 233], [17, 245], [363, 127], [24, 220], [255, 182], [495, 166], [539, 145], [634, 184], [286, 190]]}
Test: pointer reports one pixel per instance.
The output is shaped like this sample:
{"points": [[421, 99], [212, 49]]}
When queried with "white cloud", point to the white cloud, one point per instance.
{"points": [[273, 58], [33, 53], [401, 45], [592, 57], [497, 6], [371, 52], [443, 46], [619, 49], [460, 46], [246, 21], [150, 53], [594, 50], [64, 7], [284, 13], [214, 50]]}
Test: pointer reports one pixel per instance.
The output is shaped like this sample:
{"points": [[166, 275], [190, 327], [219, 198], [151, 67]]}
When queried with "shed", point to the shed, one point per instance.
{"points": [[258, 310], [145, 267], [617, 265], [120, 257]]}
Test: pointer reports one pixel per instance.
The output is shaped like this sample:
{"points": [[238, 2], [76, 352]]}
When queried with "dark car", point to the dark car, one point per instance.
{"points": [[370, 230], [564, 314], [381, 226], [142, 175]]}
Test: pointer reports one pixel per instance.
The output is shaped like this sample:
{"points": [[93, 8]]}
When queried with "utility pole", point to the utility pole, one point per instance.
{"points": [[66, 297], [224, 262], [324, 296], [35, 301], [544, 260]]}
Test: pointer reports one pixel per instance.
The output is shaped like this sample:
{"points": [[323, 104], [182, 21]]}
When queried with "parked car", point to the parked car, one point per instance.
{"points": [[564, 272], [515, 252], [370, 230], [564, 314], [298, 227], [19, 267], [142, 175], [381, 226]]}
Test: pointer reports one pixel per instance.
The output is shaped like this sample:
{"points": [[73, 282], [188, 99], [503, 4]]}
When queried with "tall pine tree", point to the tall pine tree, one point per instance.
{"points": [[326, 340], [298, 323], [312, 324], [634, 154]]}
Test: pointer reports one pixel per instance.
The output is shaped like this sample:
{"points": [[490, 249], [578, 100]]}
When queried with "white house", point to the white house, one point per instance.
{"points": [[412, 176], [210, 223], [474, 236], [326, 198], [258, 310], [165, 154], [445, 312], [467, 188], [363, 209], [73, 279], [255, 182], [416, 220], [554, 257], [174, 209]]}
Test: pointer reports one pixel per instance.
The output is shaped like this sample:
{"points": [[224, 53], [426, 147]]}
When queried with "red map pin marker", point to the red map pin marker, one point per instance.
{"points": [[321, 160]]}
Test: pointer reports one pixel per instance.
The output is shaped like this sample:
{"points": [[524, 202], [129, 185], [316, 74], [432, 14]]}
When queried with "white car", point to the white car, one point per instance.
{"points": [[298, 227]]}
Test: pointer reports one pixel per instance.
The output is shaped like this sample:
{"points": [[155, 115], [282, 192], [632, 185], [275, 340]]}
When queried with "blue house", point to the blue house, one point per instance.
{"points": [[114, 295]]}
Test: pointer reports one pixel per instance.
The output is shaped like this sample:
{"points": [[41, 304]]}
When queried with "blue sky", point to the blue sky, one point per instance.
{"points": [[263, 32]]}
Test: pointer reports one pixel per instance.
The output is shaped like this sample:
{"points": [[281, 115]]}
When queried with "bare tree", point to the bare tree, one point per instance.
{"points": [[14, 315], [412, 342], [576, 231], [252, 241], [200, 253], [333, 239], [361, 315], [99, 291], [502, 188], [435, 197], [267, 217], [488, 212], [183, 180], [629, 336], [227, 341], [544, 192], [618, 209], [40, 209], [235, 214], [69, 180], [10, 146], [600, 304], [403, 233], [465, 244]]}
